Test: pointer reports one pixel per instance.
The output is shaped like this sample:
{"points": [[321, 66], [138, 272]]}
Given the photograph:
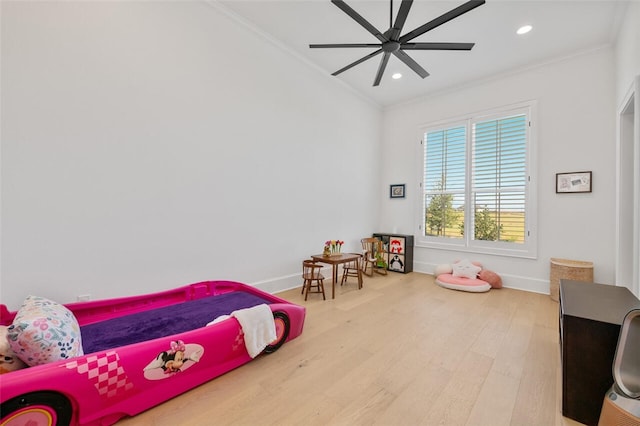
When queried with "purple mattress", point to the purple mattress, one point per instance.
{"points": [[164, 321]]}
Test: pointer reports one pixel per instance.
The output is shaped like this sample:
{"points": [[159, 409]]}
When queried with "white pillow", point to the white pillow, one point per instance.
{"points": [[44, 331], [465, 269], [444, 268]]}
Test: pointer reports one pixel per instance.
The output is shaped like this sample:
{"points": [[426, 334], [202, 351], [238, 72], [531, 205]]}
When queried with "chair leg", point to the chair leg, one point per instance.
{"points": [[367, 264], [344, 276], [319, 286], [307, 288]]}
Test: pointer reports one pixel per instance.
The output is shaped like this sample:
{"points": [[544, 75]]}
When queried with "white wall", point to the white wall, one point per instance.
{"points": [[147, 145], [627, 50], [575, 132]]}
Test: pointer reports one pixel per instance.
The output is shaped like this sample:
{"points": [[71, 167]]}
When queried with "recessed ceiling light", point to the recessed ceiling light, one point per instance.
{"points": [[396, 76], [524, 29]]}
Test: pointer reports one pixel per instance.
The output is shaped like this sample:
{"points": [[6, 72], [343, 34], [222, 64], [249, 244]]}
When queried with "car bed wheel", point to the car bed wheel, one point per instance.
{"points": [[37, 408], [282, 331]]}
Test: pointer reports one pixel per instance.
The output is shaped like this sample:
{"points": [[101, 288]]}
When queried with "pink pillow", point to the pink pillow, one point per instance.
{"points": [[491, 277]]}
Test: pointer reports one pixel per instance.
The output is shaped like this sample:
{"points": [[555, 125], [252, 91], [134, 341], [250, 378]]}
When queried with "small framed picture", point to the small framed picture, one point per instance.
{"points": [[396, 191], [573, 182]]}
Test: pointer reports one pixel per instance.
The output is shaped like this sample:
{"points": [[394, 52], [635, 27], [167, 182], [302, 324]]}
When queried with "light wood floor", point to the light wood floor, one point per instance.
{"points": [[401, 351]]}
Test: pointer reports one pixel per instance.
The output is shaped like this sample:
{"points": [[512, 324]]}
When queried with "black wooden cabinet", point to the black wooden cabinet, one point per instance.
{"points": [[398, 251], [590, 319]]}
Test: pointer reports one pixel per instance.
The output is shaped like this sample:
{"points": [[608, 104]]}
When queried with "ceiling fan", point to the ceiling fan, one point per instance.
{"points": [[391, 42]]}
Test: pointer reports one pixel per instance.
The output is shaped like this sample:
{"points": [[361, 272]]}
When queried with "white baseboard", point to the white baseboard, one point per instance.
{"points": [[279, 284], [517, 282]]}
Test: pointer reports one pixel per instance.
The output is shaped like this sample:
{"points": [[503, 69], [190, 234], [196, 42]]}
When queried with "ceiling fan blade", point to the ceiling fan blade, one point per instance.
{"points": [[437, 46], [452, 14], [381, 68], [403, 12], [411, 63], [322, 46], [359, 19], [359, 61]]}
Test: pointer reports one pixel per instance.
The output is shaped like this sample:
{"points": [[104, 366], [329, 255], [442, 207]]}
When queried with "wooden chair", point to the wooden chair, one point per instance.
{"points": [[312, 278], [371, 249], [352, 269]]}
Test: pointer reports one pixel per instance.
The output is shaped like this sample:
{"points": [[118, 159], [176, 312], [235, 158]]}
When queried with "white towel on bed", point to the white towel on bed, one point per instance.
{"points": [[258, 327]]}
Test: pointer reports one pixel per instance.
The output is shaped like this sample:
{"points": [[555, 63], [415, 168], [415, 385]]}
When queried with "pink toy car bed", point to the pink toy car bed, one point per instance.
{"points": [[140, 351]]}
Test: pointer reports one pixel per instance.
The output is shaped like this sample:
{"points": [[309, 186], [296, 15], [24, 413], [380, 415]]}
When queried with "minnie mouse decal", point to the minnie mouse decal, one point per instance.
{"points": [[177, 359]]}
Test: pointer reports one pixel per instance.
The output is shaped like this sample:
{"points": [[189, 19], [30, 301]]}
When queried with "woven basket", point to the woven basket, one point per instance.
{"points": [[566, 269]]}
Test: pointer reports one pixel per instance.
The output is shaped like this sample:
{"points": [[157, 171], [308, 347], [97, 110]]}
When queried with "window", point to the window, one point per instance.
{"points": [[476, 175]]}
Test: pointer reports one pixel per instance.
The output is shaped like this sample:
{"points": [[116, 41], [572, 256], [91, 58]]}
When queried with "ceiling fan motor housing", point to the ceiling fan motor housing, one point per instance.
{"points": [[390, 46]]}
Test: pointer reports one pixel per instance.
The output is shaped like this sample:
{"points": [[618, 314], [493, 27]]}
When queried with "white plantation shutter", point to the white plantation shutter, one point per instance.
{"points": [[445, 175], [499, 175], [477, 189]]}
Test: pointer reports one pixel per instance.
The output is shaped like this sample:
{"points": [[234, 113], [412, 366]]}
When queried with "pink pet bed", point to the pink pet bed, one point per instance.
{"points": [[473, 285]]}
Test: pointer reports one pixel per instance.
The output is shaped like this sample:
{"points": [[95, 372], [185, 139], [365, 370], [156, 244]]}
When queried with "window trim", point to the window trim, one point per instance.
{"points": [[528, 249]]}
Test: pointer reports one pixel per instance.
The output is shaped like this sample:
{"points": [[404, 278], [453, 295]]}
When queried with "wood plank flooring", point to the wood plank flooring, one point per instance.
{"points": [[401, 351]]}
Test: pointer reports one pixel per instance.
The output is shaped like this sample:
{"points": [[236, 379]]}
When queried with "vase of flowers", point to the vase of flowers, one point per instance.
{"points": [[332, 248]]}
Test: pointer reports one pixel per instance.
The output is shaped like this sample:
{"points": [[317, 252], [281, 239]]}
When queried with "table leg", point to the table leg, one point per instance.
{"points": [[334, 278]]}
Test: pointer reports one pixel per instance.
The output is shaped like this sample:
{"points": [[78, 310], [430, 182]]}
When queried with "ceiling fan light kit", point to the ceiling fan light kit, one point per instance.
{"points": [[391, 41]]}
